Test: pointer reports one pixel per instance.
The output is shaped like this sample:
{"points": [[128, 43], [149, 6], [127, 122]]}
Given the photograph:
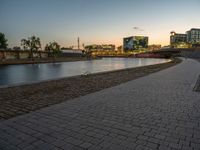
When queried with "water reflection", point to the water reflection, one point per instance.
{"points": [[17, 74]]}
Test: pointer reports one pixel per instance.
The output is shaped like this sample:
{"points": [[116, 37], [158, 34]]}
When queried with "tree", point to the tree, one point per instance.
{"points": [[3, 41], [32, 44], [16, 48], [53, 48], [120, 48]]}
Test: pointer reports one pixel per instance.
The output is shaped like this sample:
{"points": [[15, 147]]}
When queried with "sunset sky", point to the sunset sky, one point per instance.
{"points": [[96, 21]]}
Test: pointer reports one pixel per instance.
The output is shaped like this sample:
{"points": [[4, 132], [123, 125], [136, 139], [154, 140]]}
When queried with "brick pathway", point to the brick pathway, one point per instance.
{"points": [[156, 112]]}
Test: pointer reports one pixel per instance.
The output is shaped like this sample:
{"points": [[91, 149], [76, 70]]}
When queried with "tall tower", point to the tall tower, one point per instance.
{"points": [[78, 43], [83, 45]]}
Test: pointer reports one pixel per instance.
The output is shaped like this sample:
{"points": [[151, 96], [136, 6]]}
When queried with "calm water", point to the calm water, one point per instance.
{"points": [[20, 74]]}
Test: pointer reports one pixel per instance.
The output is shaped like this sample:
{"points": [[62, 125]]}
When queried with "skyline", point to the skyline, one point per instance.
{"points": [[96, 21]]}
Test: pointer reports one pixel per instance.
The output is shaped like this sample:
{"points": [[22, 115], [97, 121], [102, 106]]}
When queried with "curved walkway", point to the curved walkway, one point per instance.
{"points": [[157, 112]]}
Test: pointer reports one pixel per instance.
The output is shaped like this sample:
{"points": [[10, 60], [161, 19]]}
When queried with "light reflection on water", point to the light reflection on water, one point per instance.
{"points": [[17, 74]]}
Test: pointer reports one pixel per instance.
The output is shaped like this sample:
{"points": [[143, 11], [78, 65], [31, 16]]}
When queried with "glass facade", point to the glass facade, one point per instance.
{"points": [[193, 36], [105, 47], [135, 43], [178, 38]]}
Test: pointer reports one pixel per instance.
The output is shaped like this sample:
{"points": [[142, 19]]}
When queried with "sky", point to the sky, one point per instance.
{"points": [[96, 21]]}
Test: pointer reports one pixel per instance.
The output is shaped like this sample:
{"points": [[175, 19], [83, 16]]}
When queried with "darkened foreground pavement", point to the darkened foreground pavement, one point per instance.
{"points": [[159, 111]]}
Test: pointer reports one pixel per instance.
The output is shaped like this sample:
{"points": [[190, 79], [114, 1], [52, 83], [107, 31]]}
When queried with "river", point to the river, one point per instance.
{"points": [[26, 73]]}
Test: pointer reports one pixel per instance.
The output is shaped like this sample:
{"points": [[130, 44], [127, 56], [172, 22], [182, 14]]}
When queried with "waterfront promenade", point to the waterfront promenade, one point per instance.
{"points": [[159, 111]]}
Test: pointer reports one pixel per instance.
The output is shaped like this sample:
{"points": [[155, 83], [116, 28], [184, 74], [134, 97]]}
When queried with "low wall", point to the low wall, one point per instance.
{"points": [[24, 55], [72, 55], [14, 54], [181, 52], [44, 55], [1, 55], [191, 54], [11, 55]]}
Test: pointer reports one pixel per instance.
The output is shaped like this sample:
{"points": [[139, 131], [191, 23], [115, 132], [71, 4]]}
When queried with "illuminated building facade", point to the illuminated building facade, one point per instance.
{"points": [[154, 47], [193, 36], [190, 39], [135, 43], [177, 37], [178, 40], [104, 47]]}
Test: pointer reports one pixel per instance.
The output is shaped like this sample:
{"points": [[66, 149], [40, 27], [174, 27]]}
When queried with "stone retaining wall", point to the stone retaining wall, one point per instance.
{"points": [[14, 54]]}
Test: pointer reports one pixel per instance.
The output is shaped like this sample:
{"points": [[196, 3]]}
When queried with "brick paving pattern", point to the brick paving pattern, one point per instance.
{"points": [[157, 112]]}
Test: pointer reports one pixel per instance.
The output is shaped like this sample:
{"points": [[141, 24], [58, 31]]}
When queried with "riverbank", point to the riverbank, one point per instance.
{"points": [[41, 60], [26, 98]]}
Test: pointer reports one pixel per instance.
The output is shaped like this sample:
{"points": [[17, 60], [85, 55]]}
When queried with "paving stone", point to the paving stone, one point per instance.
{"points": [[86, 145], [156, 112]]}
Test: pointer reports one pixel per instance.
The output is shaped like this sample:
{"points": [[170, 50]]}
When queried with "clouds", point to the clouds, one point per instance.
{"points": [[96, 21], [138, 29]]}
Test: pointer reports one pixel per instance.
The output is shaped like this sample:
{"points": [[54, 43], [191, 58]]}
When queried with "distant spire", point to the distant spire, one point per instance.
{"points": [[83, 45], [78, 43]]}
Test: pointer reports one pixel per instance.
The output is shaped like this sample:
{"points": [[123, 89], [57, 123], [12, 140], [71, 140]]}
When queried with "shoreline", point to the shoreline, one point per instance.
{"points": [[23, 99], [76, 76], [43, 60], [57, 60]]}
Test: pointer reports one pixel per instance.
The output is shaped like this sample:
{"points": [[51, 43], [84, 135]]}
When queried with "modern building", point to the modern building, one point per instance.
{"points": [[72, 53], [135, 43], [178, 40], [177, 37], [154, 47], [193, 36], [190, 39], [104, 47]]}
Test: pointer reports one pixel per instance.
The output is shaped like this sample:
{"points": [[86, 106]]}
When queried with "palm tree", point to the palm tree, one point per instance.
{"points": [[53, 48], [32, 43]]}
